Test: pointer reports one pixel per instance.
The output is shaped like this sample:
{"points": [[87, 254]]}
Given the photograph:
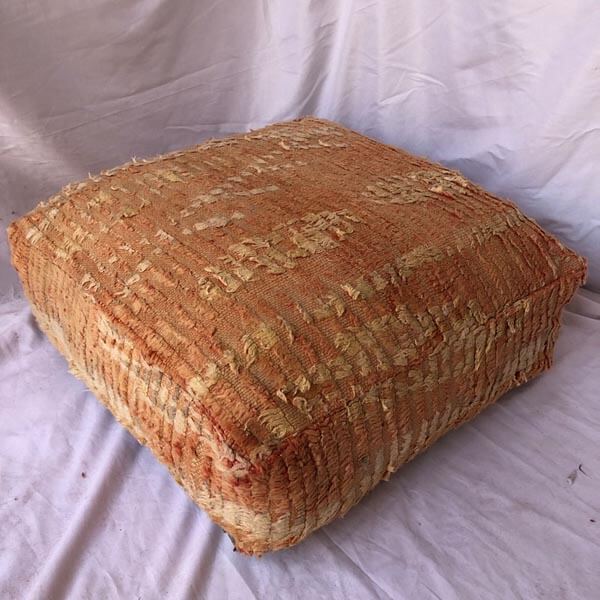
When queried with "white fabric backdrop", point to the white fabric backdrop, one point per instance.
{"points": [[497, 510], [508, 91]]}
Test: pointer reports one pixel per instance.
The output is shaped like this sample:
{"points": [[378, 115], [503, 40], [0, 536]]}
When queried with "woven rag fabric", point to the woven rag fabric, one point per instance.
{"points": [[285, 317]]}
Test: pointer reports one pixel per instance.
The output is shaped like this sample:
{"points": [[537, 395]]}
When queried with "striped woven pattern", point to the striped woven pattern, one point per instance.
{"points": [[286, 317]]}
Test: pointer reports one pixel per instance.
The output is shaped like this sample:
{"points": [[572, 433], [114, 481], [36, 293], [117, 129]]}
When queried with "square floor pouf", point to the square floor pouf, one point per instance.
{"points": [[285, 317]]}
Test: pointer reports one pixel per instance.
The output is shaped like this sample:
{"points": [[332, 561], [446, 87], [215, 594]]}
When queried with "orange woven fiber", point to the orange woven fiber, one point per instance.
{"points": [[286, 317]]}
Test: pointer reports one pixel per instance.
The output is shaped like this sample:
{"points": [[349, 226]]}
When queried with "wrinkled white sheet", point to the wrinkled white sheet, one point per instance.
{"points": [[500, 508], [508, 92]]}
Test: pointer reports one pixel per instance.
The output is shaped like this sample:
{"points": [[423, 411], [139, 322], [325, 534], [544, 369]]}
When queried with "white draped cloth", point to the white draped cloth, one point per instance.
{"points": [[508, 506]]}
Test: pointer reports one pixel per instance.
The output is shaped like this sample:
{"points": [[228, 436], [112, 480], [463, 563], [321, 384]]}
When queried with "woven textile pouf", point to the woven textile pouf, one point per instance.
{"points": [[285, 317]]}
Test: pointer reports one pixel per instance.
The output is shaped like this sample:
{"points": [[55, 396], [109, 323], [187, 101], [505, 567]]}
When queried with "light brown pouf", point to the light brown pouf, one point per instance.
{"points": [[286, 317]]}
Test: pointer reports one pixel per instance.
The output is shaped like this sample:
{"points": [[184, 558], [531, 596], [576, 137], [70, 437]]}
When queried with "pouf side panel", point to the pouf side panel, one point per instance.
{"points": [[321, 472], [145, 400]]}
